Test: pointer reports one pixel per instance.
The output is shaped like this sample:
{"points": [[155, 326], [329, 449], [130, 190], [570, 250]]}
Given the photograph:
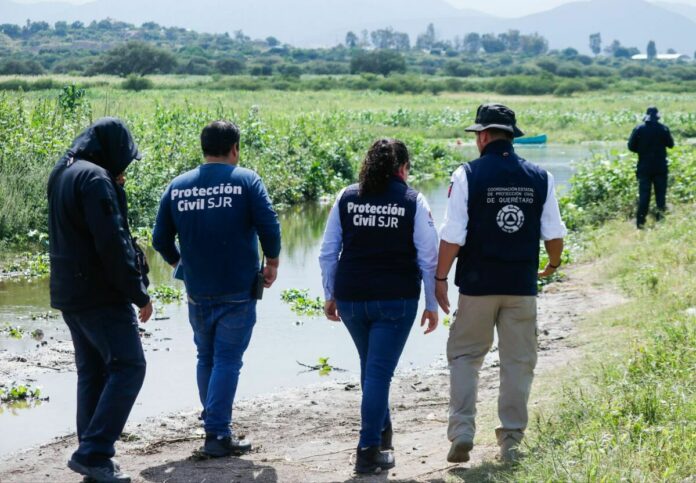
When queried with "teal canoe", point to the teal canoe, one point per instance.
{"points": [[540, 139]]}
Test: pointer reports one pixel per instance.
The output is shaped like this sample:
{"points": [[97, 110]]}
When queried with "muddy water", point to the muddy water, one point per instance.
{"points": [[281, 339]]}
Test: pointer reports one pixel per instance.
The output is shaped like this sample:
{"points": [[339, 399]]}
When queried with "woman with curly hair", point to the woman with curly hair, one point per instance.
{"points": [[380, 243]]}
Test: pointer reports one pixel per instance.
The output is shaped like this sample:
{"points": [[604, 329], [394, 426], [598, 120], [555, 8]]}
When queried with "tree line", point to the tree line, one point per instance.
{"points": [[99, 48]]}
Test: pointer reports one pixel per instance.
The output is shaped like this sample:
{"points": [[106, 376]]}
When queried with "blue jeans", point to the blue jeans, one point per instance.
{"points": [[222, 328], [379, 330], [110, 372]]}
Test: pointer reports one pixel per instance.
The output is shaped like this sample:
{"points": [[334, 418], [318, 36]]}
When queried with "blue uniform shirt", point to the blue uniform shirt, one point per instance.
{"points": [[219, 212]]}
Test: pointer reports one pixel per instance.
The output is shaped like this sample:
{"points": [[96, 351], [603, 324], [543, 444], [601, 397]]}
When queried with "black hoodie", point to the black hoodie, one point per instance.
{"points": [[93, 262], [650, 141]]}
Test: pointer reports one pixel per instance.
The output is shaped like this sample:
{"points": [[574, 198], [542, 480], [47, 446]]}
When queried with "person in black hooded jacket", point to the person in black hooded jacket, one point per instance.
{"points": [[95, 280], [651, 140]]}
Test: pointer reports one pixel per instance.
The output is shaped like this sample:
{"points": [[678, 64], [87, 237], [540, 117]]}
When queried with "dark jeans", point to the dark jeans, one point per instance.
{"points": [[645, 183], [110, 372], [379, 330], [222, 328]]}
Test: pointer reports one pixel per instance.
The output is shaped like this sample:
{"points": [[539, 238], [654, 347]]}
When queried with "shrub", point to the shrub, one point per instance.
{"points": [[230, 66], [456, 68], [631, 71], [135, 58], [377, 62], [519, 85], [570, 87], [136, 83], [14, 85]]}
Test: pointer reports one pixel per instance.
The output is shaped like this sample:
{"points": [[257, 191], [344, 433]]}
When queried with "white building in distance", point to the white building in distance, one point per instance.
{"points": [[669, 57]]}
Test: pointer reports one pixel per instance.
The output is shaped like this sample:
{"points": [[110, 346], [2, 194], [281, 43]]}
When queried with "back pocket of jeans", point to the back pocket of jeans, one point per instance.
{"points": [[392, 309], [234, 315]]}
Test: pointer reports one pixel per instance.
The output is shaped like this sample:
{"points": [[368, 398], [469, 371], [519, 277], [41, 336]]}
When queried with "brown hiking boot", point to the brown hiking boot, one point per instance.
{"points": [[509, 443]]}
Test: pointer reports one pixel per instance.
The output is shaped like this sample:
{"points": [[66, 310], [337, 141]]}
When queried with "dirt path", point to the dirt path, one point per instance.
{"points": [[309, 434]]}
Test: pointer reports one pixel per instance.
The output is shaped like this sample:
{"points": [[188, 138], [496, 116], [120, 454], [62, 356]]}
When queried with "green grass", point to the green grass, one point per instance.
{"points": [[632, 416]]}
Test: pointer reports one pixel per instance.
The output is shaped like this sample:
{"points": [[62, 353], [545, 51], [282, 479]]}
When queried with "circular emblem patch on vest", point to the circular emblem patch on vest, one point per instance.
{"points": [[510, 218]]}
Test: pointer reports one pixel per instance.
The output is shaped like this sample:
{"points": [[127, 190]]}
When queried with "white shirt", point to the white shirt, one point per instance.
{"points": [[424, 238], [454, 226]]}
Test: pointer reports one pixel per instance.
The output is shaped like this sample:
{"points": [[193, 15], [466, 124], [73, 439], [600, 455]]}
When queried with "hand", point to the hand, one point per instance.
{"points": [[432, 319], [441, 295], [270, 274], [331, 311], [547, 272], [145, 312]]}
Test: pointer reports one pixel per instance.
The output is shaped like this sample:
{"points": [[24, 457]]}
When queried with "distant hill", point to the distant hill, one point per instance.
{"points": [[683, 9], [313, 23], [633, 22], [298, 22]]}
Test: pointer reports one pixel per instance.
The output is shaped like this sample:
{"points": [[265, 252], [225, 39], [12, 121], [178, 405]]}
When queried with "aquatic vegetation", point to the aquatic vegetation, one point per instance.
{"points": [[301, 303], [322, 367], [167, 294], [14, 392], [43, 315], [29, 265], [37, 334], [13, 331], [18, 332]]}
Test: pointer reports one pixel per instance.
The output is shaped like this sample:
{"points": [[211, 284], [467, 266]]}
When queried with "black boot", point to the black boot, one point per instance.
{"points": [[387, 434], [219, 446], [372, 460]]}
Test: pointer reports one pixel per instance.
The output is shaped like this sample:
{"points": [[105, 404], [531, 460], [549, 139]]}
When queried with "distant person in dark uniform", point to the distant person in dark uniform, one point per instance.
{"points": [[219, 211], [651, 140], [380, 243], [95, 280], [499, 208]]}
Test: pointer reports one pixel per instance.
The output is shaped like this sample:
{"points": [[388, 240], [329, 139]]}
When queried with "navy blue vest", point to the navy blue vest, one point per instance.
{"points": [[506, 199], [379, 259]]}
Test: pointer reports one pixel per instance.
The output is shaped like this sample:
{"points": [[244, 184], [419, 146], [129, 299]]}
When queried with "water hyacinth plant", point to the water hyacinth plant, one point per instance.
{"points": [[301, 303]]}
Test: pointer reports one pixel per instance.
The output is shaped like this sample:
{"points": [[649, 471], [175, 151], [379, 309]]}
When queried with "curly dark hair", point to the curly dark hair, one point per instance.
{"points": [[383, 160]]}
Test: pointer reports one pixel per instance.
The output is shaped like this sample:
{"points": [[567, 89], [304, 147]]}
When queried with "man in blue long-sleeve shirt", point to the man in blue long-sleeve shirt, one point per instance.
{"points": [[219, 212]]}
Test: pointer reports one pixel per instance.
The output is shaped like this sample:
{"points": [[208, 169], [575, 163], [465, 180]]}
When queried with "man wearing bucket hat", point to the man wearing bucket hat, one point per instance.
{"points": [[650, 140], [499, 207]]}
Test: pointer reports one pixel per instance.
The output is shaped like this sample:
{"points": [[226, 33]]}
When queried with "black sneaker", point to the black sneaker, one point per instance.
{"points": [[220, 446], [386, 444], [372, 460], [102, 474]]}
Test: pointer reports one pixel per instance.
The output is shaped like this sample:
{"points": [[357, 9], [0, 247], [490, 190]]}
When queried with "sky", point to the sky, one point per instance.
{"points": [[500, 8], [517, 8]]}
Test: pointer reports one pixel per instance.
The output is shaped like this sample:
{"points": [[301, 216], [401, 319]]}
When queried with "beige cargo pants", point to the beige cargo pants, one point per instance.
{"points": [[470, 339]]}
